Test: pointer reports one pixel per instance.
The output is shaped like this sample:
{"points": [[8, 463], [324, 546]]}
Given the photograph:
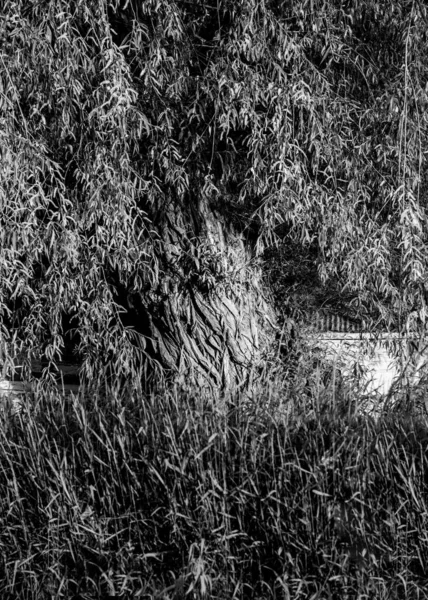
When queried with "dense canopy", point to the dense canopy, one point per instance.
{"points": [[152, 151]]}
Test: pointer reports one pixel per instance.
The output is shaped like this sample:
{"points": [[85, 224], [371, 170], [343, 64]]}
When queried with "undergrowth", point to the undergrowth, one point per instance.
{"points": [[170, 496]]}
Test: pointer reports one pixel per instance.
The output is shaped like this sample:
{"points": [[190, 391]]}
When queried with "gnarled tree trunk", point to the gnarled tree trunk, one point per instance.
{"points": [[210, 323]]}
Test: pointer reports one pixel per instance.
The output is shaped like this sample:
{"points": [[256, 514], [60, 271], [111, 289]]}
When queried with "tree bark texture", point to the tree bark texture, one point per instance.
{"points": [[209, 322]]}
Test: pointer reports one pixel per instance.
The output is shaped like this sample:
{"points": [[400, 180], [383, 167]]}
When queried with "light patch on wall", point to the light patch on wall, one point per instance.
{"points": [[369, 363]]}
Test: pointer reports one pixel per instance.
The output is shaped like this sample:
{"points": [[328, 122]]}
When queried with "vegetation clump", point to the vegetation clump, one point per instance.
{"points": [[167, 496]]}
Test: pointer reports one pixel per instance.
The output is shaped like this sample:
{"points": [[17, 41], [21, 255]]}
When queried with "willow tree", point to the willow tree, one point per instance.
{"points": [[152, 150]]}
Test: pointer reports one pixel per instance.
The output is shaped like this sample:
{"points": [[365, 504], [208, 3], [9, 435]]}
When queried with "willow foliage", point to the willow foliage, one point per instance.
{"points": [[143, 142]]}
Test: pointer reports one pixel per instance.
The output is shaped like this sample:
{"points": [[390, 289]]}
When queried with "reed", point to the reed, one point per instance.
{"points": [[170, 496]]}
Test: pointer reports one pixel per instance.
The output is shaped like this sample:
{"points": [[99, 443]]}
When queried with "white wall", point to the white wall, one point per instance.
{"points": [[360, 356]]}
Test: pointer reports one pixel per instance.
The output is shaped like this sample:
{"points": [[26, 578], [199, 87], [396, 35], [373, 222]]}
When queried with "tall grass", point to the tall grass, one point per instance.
{"points": [[169, 496]]}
